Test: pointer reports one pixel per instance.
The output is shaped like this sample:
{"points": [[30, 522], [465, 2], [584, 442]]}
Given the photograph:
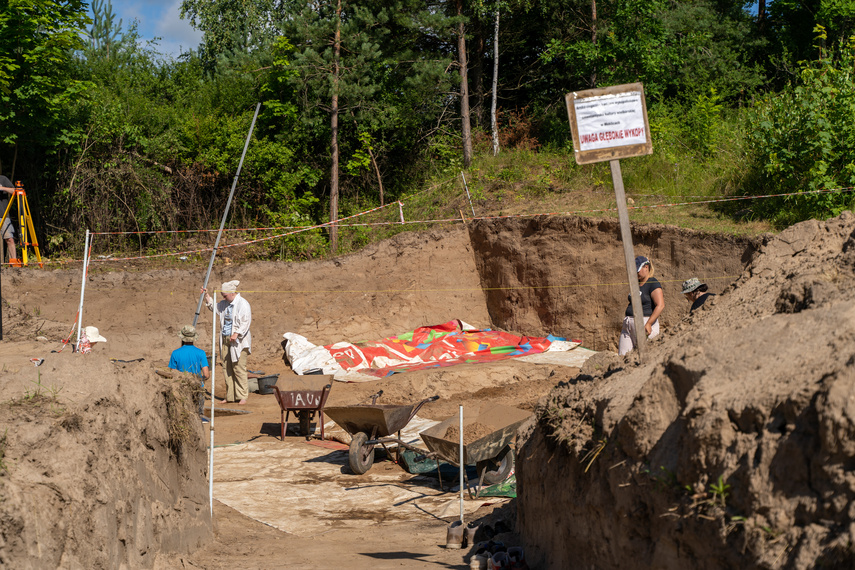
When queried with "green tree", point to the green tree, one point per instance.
{"points": [[105, 33], [803, 140], [37, 40], [675, 49], [359, 61], [233, 26], [790, 27]]}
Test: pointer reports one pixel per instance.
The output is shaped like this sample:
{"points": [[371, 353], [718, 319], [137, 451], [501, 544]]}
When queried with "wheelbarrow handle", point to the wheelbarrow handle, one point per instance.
{"points": [[375, 396], [420, 404]]}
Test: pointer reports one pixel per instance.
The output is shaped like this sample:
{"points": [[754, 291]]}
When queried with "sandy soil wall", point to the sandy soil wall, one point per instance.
{"points": [[103, 465], [566, 276], [411, 280]]}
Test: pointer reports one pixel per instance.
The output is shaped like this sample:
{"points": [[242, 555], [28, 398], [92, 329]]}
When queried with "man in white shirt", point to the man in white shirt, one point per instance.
{"points": [[235, 340]]}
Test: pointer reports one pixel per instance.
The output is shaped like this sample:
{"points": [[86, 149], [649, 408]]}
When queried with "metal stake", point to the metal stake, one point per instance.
{"points": [[462, 467], [468, 197]]}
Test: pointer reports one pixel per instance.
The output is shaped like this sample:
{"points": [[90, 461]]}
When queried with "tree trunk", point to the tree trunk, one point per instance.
{"points": [[377, 171], [478, 108], [334, 129], [464, 90], [761, 14], [594, 39], [494, 120]]}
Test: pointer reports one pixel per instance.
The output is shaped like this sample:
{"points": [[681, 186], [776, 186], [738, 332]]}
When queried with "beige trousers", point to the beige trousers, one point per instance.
{"points": [[236, 383]]}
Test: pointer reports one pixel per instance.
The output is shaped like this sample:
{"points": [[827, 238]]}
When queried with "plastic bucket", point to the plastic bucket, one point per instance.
{"points": [[266, 383]]}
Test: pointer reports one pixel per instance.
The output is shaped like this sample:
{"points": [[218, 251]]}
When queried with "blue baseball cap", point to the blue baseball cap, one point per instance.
{"points": [[640, 262]]}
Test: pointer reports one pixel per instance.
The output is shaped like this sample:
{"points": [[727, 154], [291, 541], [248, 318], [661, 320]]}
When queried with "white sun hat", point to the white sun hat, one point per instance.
{"points": [[93, 335]]}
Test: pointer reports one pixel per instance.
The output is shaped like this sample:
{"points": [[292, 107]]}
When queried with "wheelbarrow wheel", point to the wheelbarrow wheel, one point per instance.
{"points": [[305, 418], [361, 455], [496, 469]]}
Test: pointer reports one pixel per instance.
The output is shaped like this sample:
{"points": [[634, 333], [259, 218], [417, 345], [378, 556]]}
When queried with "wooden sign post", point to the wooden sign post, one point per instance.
{"points": [[610, 124]]}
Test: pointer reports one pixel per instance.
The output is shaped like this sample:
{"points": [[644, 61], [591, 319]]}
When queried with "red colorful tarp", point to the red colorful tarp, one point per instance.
{"points": [[434, 346]]}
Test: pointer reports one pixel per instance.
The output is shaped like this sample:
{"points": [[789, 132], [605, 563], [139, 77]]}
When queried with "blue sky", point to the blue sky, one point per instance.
{"points": [[159, 18]]}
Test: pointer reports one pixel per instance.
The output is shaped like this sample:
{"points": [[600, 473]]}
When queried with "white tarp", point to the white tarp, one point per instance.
{"points": [[304, 355], [307, 490]]}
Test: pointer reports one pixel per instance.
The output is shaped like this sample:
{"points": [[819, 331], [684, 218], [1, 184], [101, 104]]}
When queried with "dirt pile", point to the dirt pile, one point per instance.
{"points": [[102, 465], [471, 432], [731, 446]]}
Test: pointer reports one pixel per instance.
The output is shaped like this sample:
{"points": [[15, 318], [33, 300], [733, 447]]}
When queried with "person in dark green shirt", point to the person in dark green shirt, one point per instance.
{"points": [[696, 293]]}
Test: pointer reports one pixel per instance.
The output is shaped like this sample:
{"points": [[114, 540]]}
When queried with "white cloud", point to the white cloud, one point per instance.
{"points": [[177, 34]]}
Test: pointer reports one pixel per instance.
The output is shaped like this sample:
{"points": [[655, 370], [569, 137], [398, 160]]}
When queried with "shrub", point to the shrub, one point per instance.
{"points": [[803, 140]]}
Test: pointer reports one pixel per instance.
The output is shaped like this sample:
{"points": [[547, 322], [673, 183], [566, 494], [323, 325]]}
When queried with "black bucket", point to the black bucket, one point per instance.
{"points": [[266, 383]]}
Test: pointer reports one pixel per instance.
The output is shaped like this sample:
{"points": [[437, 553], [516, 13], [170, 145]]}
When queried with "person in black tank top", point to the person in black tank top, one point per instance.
{"points": [[652, 304]]}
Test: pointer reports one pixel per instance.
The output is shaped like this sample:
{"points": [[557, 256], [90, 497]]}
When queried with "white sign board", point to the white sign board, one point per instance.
{"points": [[609, 123], [610, 120]]}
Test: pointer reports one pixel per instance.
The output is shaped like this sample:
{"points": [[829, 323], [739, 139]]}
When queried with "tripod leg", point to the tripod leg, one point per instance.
{"points": [[22, 200], [33, 234]]}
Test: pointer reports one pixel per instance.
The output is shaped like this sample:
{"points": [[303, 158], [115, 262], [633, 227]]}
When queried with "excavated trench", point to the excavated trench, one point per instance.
{"points": [[566, 276], [561, 276]]}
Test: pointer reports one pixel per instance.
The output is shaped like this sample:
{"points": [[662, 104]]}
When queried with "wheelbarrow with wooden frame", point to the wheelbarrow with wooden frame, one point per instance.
{"points": [[305, 396], [373, 424]]}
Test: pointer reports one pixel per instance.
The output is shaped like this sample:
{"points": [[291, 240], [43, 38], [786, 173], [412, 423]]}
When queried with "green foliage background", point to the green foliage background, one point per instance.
{"points": [[109, 134]]}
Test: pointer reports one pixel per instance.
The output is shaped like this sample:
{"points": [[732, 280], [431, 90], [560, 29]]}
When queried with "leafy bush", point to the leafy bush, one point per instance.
{"points": [[803, 140]]}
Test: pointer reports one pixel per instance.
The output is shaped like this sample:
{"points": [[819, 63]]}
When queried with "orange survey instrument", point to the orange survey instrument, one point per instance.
{"points": [[25, 221]]}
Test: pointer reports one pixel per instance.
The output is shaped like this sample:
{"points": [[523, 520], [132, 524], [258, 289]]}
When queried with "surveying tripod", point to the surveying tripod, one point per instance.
{"points": [[25, 219]]}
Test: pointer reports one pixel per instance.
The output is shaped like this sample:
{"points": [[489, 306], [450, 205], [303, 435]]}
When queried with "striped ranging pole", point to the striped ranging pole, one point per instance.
{"points": [[225, 217], [83, 285], [213, 400]]}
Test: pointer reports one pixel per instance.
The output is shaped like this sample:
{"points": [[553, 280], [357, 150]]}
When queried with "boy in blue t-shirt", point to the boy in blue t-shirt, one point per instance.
{"points": [[191, 359]]}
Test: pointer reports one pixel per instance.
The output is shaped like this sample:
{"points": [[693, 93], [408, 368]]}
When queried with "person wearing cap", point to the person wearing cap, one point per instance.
{"points": [[7, 230], [696, 293], [235, 339], [652, 303], [190, 358]]}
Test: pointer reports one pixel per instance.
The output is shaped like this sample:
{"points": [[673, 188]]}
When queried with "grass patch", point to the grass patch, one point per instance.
{"points": [[181, 413], [41, 396]]}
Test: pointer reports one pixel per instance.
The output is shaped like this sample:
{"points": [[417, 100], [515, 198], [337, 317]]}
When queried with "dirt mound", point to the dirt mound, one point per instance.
{"points": [[731, 446], [102, 465]]}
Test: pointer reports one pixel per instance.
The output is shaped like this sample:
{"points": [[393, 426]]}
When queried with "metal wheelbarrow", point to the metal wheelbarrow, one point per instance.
{"points": [[305, 396], [491, 454], [373, 424]]}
